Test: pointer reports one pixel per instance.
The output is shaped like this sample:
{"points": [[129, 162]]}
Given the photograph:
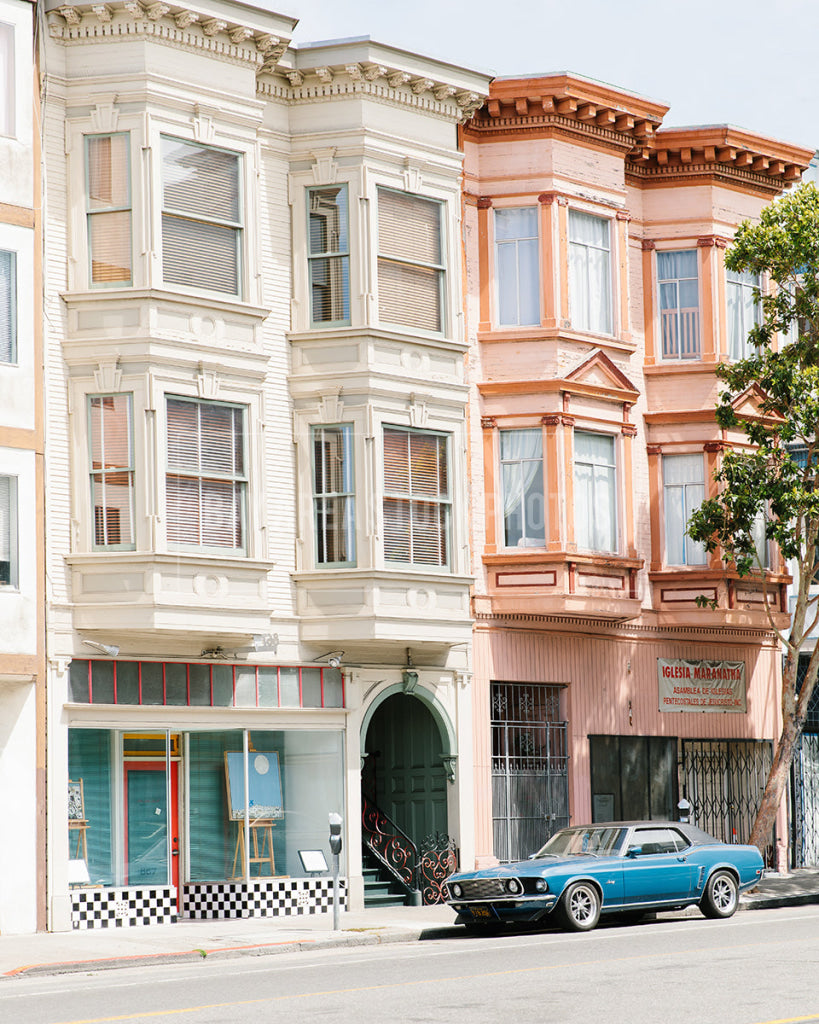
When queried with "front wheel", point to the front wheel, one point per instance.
{"points": [[721, 896], [580, 907]]}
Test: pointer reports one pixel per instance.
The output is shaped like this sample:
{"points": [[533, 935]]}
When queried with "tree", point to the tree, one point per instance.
{"points": [[772, 478]]}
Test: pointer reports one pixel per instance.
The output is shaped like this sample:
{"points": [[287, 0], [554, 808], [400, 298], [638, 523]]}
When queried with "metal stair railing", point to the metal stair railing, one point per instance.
{"points": [[389, 844]]}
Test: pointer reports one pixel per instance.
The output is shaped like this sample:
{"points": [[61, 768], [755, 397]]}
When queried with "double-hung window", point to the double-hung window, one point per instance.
{"points": [[328, 255], [761, 544], [595, 492], [8, 307], [8, 531], [683, 493], [521, 459], [743, 312], [7, 90], [201, 216], [417, 503], [410, 261], [108, 208], [517, 266], [110, 433], [333, 494], [590, 294], [679, 303], [206, 481]]}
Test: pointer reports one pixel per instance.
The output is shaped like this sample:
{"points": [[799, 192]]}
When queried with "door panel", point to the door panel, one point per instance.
{"points": [[147, 821]]}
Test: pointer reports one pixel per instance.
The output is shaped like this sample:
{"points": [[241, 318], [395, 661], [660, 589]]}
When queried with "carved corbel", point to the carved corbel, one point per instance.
{"points": [[103, 12], [186, 18], [296, 78], [373, 71], [324, 75], [398, 78], [422, 85], [240, 34], [355, 71], [71, 14], [214, 26], [443, 92], [157, 11]]}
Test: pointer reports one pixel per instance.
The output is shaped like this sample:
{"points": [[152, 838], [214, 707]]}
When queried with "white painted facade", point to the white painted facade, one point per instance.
{"points": [[219, 77]]}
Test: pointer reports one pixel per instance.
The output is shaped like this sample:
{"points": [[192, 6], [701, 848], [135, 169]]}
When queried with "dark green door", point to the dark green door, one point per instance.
{"points": [[404, 771]]}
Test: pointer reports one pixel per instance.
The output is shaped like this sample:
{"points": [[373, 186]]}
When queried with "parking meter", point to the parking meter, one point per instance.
{"points": [[335, 849], [684, 810]]}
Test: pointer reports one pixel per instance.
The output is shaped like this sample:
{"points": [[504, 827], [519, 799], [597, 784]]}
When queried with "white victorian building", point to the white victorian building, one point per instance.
{"points": [[257, 551]]}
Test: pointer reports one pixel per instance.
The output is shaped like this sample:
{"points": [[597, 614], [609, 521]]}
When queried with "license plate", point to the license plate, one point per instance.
{"points": [[481, 913]]}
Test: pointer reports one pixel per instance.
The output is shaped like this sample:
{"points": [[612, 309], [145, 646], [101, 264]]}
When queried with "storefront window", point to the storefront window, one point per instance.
{"points": [[90, 831], [212, 836]]}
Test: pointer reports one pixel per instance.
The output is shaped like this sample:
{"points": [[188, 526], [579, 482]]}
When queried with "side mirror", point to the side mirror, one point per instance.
{"points": [[634, 851]]}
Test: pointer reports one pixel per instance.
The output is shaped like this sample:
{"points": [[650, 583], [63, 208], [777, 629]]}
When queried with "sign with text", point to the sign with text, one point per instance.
{"points": [[701, 685]]}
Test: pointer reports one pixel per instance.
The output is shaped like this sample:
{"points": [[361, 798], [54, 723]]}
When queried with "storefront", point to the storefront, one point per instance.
{"points": [[195, 789]]}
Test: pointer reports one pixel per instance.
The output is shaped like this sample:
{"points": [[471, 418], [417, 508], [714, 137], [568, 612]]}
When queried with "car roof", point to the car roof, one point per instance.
{"points": [[695, 835]]}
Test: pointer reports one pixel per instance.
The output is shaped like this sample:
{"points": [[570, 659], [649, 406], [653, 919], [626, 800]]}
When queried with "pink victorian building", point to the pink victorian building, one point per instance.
{"points": [[598, 307]]}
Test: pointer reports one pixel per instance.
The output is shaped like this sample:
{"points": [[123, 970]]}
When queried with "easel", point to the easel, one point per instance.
{"points": [[261, 847], [77, 821]]}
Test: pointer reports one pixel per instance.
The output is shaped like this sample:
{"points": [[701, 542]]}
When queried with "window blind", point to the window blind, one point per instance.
{"points": [[416, 497], [8, 307], [112, 472], [205, 484], [109, 208], [201, 219], [7, 528], [410, 262]]}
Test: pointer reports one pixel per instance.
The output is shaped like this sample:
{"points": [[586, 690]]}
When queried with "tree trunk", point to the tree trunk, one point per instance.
{"points": [[772, 797]]}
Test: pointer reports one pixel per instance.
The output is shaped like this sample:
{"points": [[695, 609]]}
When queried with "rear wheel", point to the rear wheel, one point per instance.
{"points": [[721, 896], [580, 907]]}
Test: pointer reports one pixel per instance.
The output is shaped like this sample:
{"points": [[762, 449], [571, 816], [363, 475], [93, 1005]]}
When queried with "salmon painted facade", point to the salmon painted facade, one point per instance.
{"points": [[619, 670]]}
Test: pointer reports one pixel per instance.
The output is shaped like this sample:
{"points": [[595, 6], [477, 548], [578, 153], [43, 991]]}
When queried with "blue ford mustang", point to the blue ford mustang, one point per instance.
{"points": [[626, 867]]}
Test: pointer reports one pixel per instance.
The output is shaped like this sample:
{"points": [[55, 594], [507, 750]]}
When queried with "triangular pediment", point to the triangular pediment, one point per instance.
{"points": [[598, 373], [748, 404]]}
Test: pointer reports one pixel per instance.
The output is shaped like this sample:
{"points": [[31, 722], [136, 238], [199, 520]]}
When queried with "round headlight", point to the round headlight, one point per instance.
{"points": [[542, 885], [513, 886], [456, 890]]}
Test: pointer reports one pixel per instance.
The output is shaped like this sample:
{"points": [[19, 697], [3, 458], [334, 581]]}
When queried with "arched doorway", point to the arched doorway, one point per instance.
{"points": [[403, 772]]}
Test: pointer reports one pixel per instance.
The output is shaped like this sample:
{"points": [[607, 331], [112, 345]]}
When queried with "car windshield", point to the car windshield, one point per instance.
{"points": [[582, 842]]}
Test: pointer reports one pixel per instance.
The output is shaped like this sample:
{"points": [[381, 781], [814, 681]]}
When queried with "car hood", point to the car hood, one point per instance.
{"points": [[541, 866]]}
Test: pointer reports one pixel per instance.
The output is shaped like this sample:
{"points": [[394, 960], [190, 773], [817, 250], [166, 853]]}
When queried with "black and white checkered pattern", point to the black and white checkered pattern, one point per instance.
{"points": [[274, 897], [122, 908]]}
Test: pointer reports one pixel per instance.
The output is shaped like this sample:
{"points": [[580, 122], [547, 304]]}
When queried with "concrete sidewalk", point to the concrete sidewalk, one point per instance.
{"points": [[191, 941]]}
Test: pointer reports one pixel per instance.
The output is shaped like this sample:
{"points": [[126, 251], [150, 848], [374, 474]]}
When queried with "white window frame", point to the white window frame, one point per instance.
{"points": [[240, 480], [595, 505], [525, 492], [442, 502], [683, 494], [580, 313], [438, 269], [9, 527], [329, 256], [346, 498], [516, 249], [741, 285], [8, 91], [687, 338], [104, 472], [177, 215]]}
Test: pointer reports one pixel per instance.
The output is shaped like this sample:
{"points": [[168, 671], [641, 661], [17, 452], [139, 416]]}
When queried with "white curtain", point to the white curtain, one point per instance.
{"points": [[684, 492], [522, 482], [590, 273], [743, 312], [595, 492]]}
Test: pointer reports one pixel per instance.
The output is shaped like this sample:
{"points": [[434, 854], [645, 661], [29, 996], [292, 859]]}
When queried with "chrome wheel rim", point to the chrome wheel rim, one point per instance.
{"points": [[723, 894], [581, 905]]}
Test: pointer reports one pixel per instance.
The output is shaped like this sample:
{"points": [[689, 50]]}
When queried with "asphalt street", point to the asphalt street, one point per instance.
{"points": [[755, 968]]}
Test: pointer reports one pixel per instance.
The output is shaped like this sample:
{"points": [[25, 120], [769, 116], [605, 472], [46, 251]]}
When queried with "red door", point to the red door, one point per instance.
{"points": [[147, 822]]}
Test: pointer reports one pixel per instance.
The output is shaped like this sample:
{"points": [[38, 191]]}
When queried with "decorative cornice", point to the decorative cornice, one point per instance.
{"points": [[524, 620], [121, 20]]}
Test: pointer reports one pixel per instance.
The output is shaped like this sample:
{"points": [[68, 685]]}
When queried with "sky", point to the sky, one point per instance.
{"points": [[752, 64]]}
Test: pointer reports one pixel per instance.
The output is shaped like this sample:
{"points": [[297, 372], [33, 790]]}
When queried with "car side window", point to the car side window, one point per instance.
{"points": [[656, 840]]}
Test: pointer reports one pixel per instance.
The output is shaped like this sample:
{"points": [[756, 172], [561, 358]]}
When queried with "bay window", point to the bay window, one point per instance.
{"points": [[410, 261], [333, 495], [590, 293], [595, 492], [517, 266], [416, 497], [201, 216], [679, 303], [110, 432], [683, 493], [108, 208], [521, 460], [328, 255], [206, 481]]}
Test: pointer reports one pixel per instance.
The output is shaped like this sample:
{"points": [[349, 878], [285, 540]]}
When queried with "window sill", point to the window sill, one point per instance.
{"points": [[211, 301], [320, 335]]}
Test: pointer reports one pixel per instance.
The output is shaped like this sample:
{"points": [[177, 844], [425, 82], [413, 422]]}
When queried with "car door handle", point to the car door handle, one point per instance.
{"points": [[681, 860]]}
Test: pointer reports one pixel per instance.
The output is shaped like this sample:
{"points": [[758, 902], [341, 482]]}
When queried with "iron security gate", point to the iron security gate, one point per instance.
{"points": [[530, 782], [724, 781], [805, 788]]}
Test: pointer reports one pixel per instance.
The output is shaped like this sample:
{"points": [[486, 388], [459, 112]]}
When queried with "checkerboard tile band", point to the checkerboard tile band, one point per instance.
{"points": [[275, 897], [123, 908]]}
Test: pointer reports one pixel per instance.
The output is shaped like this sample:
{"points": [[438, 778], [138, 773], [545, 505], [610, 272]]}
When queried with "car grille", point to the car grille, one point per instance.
{"points": [[483, 889]]}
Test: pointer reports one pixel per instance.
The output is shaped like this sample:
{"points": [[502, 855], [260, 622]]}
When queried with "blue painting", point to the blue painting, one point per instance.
{"points": [[264, 785]]}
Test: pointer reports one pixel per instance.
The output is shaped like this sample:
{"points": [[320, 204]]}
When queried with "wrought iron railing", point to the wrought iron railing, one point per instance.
{"points": [[425, 870], [389, 843]]}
